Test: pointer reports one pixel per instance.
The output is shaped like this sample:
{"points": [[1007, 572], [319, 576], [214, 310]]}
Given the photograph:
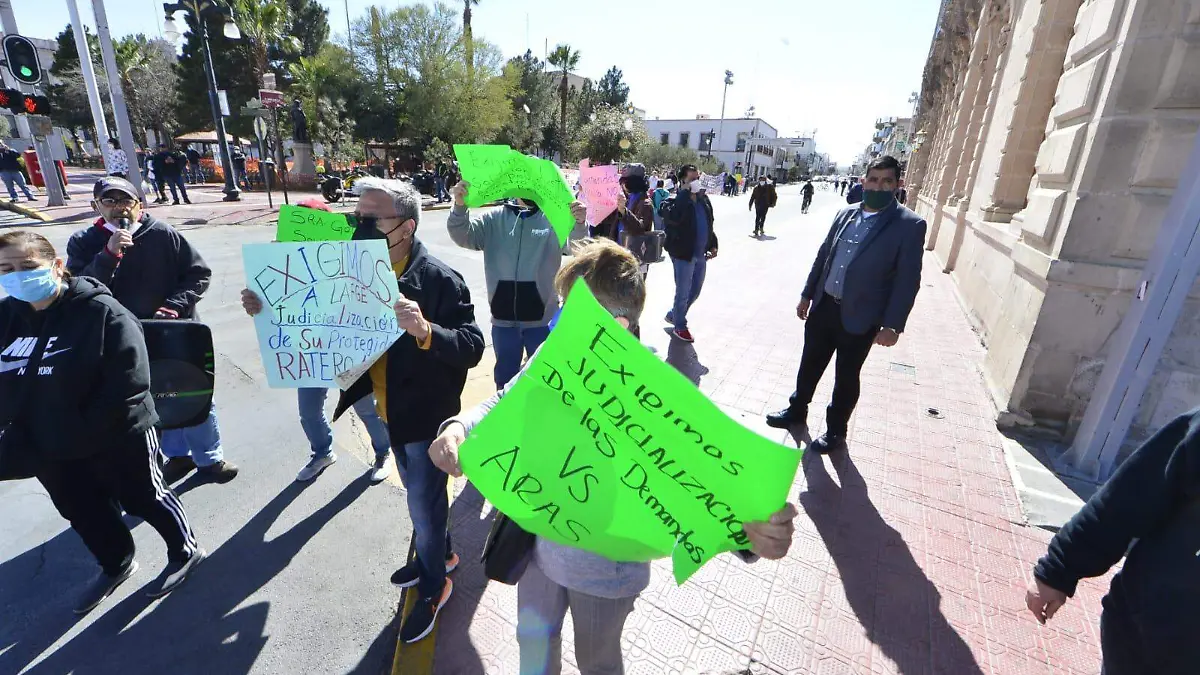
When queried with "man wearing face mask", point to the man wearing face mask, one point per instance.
{"points": [[418, 383], [521, 255], [155, 273], [762, 198], [860, 291], [691, 243]]}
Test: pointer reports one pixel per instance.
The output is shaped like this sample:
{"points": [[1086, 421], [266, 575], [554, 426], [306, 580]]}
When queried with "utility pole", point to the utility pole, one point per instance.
{"points": [[721, 129], [115, 92], [89, 81], [56, 192], [349, 35]]}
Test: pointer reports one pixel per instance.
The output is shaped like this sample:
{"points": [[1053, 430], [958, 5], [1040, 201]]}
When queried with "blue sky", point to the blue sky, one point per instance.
{"points": [[829, 65]]}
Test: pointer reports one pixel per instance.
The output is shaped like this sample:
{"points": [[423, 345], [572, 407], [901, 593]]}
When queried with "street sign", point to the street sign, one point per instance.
{"points": [[224, 101], [40, 125], [260, 128], [271, 98], [268, 80]]}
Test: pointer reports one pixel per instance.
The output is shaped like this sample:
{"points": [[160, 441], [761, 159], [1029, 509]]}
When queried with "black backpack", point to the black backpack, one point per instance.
{"points": [[666, 211]]}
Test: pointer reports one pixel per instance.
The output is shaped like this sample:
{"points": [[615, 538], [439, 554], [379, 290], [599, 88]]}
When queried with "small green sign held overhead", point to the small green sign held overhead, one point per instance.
{"points": [[602, 446]]}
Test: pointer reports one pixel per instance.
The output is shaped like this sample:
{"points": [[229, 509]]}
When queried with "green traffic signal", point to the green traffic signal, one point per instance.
{"points": [[26, 71], [22, 58]]}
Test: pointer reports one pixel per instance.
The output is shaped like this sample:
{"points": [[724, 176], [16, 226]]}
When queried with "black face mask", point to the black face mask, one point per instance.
{"points": [[367, 227]]}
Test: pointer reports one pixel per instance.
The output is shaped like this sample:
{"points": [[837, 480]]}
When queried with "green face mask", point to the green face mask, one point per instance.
{"points": [[877, 199]]}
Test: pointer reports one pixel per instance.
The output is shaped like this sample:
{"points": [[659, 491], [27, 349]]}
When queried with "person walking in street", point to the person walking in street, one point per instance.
{"points": [[418, 383], [762, 198], [237, 157], [10, 173], [521, 254], [807, 193], [77, 412], [660, 195], [118, 162], [600, 593], [1149, 513], [441, 175], [171, 163], [902, 194], [194, 174], [155, 273], [311, 402], [859, 293], [855, 194], [691, 243]]}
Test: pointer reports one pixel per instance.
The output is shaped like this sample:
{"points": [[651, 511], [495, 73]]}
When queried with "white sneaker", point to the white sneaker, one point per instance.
{"points": [[381, 469], [315, 467]]}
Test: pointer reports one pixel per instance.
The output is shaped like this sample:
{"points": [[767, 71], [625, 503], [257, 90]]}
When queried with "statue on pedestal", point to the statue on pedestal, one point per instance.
{"points": [[299, 123]]}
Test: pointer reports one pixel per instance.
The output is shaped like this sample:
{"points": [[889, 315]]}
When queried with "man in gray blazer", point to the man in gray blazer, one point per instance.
{"points": [[860, 291]]}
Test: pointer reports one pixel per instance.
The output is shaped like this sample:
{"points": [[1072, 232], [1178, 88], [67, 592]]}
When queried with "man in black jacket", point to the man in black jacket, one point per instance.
{"points": [[691, 243], [762, 198], [1149, 512], [155, 273], [861, 289], [172, 163], [10, 172], [418, 383]]}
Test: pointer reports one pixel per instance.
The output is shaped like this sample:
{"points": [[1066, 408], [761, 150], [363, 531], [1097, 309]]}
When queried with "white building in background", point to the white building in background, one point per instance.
{"points": [[733, 147]]}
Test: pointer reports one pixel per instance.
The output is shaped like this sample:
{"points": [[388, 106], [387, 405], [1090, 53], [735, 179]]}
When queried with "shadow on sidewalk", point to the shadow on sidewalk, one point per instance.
{"points": [[896, 604], [455, 652], [202, 628], [685, 359]]}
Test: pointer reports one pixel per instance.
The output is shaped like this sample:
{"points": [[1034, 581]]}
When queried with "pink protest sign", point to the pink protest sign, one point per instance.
{"points": [[601, 189]]}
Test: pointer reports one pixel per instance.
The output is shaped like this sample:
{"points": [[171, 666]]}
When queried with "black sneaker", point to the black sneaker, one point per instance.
{"points": [[176, 468], [175, 574], [407, 576], [421, 620], [175, 203], [102, 587], [786, 419], [221, 472], [828, 443]]}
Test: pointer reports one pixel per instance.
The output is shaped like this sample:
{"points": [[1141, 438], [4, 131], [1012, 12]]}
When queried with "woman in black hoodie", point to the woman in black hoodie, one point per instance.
{"points": [[76, 412]]}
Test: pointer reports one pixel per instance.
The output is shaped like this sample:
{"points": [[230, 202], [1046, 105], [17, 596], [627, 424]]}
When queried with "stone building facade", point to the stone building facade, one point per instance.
{"points": [[1052, 136]]}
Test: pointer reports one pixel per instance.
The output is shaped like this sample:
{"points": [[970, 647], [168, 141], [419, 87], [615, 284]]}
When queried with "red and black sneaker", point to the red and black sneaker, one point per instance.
{"points": [[683, 334]]}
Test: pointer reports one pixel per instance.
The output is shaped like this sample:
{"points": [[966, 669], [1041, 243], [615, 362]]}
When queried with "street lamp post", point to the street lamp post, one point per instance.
{"points": [[711, 135], [201, 10], [721, 133]]}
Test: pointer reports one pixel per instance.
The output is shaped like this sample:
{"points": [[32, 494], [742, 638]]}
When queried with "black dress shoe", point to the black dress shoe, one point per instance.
{"points": [[785, 419], [828, 443]]}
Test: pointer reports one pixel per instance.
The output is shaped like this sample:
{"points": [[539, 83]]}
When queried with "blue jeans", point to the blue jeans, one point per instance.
{"points": [[439, 184], [202, 442], [689, 280], [12, 178], [428, 507], [316, 427], [512, 344]]}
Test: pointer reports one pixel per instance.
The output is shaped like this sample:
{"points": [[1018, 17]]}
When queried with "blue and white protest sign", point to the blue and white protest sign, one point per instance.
{"points": [[327, 308]]}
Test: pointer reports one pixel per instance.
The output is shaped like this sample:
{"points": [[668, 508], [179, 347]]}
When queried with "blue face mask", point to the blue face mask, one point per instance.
{"points": [[30, 285]]}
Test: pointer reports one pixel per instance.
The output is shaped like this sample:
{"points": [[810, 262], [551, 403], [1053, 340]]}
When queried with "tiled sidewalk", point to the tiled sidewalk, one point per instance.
{"points": [[910, 556]]}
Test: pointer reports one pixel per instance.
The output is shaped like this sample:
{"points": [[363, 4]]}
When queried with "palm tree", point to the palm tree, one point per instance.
{"points": [[565, 59], [130, 55], [263, 24], [468, 38]]}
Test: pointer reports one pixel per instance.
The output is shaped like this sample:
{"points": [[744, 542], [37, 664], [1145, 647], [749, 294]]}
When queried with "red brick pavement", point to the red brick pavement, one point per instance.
{"points": [[910, 556]]}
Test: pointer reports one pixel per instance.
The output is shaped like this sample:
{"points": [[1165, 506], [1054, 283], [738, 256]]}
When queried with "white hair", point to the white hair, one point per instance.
{"points": [[404, 196]]}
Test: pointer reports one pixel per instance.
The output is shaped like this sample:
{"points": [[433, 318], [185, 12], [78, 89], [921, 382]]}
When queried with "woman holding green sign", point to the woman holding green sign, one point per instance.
{"points": [[599, 592]]}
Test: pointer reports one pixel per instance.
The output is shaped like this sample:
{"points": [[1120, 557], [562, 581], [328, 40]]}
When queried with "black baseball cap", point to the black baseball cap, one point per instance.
{"points": [[114, 184]]}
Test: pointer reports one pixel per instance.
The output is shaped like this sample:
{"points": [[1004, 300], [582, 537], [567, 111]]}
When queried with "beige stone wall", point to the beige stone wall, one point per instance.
{"points": [[1045, 182]]}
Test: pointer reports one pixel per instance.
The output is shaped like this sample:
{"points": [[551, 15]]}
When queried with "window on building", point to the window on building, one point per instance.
{"points": [[741, 142], [664, 138], [684, 137], [706, 141]]}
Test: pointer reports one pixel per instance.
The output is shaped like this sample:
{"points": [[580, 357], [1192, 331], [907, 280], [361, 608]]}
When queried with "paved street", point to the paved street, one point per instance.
{"points": [[909, 557]]}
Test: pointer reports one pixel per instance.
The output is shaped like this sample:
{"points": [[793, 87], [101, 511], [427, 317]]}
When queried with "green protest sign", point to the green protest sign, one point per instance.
{"points": [[499, 172], [602, 446], [297, 223]]}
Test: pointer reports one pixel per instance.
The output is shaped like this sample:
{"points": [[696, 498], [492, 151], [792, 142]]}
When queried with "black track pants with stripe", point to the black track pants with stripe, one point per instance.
{"points": [[91, 493]]}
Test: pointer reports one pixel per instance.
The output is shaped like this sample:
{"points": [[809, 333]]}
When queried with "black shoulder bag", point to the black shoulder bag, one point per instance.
{"points": [[507, 551]]}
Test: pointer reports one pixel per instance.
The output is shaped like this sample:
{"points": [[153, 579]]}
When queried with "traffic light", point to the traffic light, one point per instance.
{"points": [[19, 103], [22, 59]]}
